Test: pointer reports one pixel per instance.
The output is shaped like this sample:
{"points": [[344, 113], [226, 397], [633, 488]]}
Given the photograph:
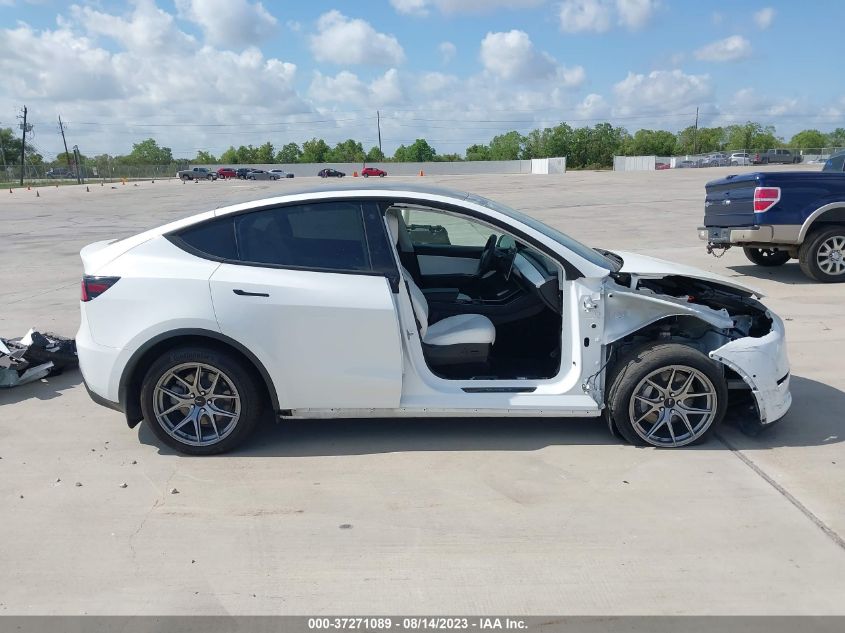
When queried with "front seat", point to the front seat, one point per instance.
{"points": [[455, 340]]}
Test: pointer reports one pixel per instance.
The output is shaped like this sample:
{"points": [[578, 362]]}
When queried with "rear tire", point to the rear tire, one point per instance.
{"points": [[766, 256], [666, 395], [201, 415], [822, 255]]}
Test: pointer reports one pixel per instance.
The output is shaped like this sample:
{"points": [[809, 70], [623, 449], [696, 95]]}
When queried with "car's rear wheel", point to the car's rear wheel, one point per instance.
{"points": [[666, 395], [201, 401], [766, 256], [209, 177], [822, 255]]}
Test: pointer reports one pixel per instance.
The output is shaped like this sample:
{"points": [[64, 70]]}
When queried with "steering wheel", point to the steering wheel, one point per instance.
{"points": [[486, 262]]}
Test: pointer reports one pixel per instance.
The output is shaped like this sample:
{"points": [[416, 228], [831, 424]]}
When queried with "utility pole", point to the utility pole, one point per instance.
{"points": [[378, 123], [62, 128], [77, 159], [695, 134], [23, 142]]}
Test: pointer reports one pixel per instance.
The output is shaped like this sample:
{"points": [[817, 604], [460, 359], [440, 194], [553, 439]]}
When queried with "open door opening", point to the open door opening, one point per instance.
{"points": [[486, 306]]}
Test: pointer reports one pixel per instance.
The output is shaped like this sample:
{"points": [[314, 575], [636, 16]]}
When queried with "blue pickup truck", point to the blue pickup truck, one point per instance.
{"points": [[777, 216]]}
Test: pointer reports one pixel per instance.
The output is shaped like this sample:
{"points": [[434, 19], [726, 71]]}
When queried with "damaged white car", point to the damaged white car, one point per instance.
{"points": [[408, 302]]}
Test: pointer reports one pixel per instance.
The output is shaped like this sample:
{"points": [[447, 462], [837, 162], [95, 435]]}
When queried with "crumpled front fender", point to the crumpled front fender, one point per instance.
{"points": [[764, 365]]}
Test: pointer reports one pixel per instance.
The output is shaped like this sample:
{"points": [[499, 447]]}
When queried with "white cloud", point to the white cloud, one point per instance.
{"points": [[447, 51], [578, 16], [598, 16], [512, 56], [236, 23], [422, 7], [660, 91], [730, 49], [764, 18], [635, 14], [594, 107], [347, 88], [343, 40]]}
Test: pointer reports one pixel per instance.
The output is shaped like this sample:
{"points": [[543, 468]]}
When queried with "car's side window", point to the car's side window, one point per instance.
{"points": [[430, 227], [327, 235], [215, 238]]}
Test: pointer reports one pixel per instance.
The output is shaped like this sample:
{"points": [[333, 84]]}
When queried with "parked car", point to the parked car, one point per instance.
{"points": [[373, 171], [282, 173], [740, 159], [776, 156], [260, 174], [226, 172], [241, 172], [196, 173], [778, 216], [330, 173], [661, 166], [321, 304], [715, 160], [686, 164]]}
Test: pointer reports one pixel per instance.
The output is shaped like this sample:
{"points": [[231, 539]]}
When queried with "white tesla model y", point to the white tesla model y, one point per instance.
{"points": [[405, 301]]}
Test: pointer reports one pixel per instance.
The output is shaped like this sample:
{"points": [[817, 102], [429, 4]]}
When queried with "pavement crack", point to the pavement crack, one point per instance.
{"points": [[828, 531]]}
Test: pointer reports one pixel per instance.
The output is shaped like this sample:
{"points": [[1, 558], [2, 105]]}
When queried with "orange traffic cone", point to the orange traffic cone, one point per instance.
{"points": [[10, 190], [87, 189], [354, 174], [28, 188], [37, 195], [421, 173]]}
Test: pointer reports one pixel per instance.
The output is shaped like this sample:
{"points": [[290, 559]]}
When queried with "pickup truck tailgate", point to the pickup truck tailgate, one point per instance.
{"points": [[730, 201]]}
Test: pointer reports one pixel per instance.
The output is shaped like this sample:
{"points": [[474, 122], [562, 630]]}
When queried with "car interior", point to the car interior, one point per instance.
{"points": [[487, 306]]}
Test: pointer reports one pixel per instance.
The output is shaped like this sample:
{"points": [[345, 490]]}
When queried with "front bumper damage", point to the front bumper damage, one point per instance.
{"points": [[764, 365]]}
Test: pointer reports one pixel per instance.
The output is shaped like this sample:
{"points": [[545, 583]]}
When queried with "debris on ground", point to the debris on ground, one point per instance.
{"points": [[173, 491], [35, 356]]}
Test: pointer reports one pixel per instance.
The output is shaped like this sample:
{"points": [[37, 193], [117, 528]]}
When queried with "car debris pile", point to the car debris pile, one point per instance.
{"points": [[35, 356]]}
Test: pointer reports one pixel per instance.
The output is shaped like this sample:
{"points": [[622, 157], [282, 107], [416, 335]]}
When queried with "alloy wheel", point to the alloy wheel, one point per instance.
{"points": [[831, 255], [673, 406], [196, 404]]}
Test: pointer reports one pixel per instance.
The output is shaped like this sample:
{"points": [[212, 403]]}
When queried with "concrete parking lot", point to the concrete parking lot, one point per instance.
{"points": [[416, 516]]}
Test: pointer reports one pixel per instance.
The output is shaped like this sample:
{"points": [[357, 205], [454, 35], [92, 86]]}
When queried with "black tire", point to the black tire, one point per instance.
{"points": [[244, 379], [808, 254], [365, 175], [766, 256], [209, 177], [632, 368]]}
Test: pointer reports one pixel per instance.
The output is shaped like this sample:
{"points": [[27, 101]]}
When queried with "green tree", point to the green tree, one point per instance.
{"points": [[650, 143], [375, 155], [315, 151], [348, 151], [290, 153], [264, 154], [230, 156], [506, 146], [836, 138], [418, 152], [751, 136], [478, 152], [148, 152], [204, 158], [448, 158], [706, 139], [10, 144], [808, 139]]}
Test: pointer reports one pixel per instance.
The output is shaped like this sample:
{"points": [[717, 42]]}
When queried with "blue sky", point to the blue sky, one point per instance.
{"points": [[205, 74]]}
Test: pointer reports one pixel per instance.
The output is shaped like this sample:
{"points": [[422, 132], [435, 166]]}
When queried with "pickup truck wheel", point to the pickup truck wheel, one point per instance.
{"points": [[666, 395], [766, 256], [822, 255]]}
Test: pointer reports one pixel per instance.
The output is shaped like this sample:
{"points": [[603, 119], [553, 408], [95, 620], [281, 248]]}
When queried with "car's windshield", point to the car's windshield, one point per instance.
{"points": [[574, 245]]}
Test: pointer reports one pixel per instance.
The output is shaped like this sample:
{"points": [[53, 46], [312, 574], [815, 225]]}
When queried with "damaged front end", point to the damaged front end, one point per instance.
{"points": [[724, 321]]}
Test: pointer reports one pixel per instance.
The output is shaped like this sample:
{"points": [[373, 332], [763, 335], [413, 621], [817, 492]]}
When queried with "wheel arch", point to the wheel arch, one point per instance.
{"points": [[833, 213], [129, 387]]}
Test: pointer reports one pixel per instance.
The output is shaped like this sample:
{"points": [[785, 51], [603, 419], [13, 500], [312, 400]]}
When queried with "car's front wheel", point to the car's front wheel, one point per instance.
{"points": [[201, 401], [666, 395], [766, 256]]}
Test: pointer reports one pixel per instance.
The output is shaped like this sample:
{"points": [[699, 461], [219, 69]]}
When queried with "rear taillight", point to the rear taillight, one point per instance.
{"points": [[93, 287], [765, 198]]}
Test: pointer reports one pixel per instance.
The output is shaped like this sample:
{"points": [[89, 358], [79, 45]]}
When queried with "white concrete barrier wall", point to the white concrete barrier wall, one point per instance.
{"points": [[541, 166], [634, 163]]}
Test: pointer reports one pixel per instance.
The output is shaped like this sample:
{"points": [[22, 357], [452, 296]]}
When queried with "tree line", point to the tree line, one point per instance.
{"points": [[583, 147]]}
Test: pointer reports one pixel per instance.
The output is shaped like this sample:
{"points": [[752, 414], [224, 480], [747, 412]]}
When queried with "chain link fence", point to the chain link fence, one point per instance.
{"points": [[104, 171]]}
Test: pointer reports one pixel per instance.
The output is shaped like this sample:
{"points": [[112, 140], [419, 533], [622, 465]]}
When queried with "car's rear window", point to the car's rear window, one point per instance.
{"points": [[216, 238], [835, 163]]}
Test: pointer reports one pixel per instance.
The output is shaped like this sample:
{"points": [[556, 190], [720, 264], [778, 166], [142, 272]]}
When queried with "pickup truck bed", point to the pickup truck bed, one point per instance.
{"points": [[777, 216]]}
